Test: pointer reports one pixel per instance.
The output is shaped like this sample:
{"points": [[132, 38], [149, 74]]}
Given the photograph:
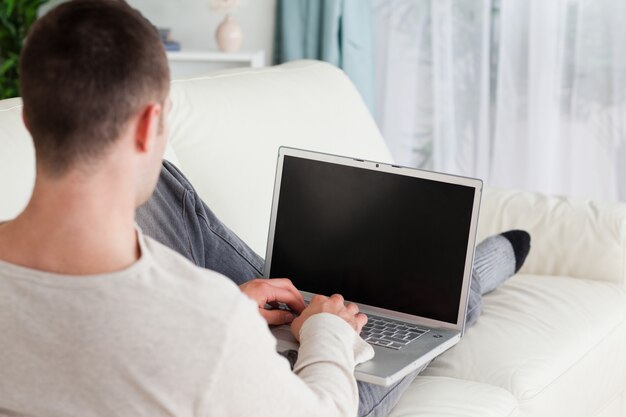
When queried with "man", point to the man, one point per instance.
{"points": [[98, 319]]}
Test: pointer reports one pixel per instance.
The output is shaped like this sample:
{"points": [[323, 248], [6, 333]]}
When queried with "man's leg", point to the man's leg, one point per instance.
{"points": [[377, 401], [496, 259], [177, 217]]}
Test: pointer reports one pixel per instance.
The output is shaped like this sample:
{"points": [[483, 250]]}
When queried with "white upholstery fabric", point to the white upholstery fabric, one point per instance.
{"points": [[570, 237], [447, 397], [617, 407], [17, 160], [556, 343]]}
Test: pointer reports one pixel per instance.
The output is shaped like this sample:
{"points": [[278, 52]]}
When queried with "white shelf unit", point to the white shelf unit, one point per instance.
{"points": [[190, 63]]}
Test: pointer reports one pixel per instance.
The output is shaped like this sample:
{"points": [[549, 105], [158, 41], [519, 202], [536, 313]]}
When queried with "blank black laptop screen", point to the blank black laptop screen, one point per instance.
{"points": [[390, 241]]}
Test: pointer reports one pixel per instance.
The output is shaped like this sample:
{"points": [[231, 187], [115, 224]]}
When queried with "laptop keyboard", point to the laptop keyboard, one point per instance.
{"points": [[381, 331]]}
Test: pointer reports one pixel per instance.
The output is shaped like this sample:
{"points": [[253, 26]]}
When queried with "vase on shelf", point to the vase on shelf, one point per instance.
{"points": [[229, 35]]}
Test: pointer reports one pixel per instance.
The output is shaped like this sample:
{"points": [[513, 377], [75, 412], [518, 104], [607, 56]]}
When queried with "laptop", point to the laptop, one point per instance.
{"points": [[398, 242]]}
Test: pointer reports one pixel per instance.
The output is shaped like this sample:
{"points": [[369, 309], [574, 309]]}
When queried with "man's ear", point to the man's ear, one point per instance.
{"points": [[24, 119], [148, 127]]}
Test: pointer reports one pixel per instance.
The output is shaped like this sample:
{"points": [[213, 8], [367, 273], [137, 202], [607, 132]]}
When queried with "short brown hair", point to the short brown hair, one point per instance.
{"points": [[86, 68]]}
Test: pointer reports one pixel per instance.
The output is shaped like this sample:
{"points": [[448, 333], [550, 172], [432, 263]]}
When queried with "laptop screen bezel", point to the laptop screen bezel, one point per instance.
{"points": [[398, 170]]}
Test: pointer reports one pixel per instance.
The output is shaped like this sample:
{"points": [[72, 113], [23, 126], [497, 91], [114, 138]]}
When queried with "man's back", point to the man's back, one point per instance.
{"points": [[142, 341]]}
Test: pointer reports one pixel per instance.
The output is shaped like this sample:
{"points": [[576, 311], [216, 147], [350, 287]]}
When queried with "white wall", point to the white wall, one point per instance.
{"points": [[193, 23]]}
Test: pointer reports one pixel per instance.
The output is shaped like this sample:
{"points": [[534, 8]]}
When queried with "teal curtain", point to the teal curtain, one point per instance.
{"points": [[335, 31]]}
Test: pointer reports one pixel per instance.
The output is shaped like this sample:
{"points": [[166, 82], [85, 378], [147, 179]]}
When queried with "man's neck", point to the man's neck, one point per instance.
{"points": [[73, 227]]}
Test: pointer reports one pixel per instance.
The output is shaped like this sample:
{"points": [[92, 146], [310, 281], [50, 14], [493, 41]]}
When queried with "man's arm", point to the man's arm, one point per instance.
{"points": [[254, 380]]}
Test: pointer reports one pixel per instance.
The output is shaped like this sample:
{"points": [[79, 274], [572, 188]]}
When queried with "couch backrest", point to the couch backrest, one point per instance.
{"points": [[225, 131], [17, 160]]}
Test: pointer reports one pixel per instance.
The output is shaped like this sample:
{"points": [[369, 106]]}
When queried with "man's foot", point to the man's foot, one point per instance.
{"points": [[520, 240], [499, 257]]}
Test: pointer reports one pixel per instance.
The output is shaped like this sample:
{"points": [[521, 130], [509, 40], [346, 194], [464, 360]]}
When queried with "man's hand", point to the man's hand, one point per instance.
{"points": [[274, 291], [334, 305]]}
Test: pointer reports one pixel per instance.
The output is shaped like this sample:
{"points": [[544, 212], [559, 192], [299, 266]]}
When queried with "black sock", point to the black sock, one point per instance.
{"points": [[520, 240], [499, 257]]}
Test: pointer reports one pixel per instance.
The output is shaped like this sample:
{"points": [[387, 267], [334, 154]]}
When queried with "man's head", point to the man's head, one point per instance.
{"points": [[93, 72]]}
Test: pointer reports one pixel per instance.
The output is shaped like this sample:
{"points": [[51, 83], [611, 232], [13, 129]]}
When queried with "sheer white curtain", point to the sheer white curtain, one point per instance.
{"points": [[433, 82], [522, 93], [561, 89], [404, 82], [461, 67]]}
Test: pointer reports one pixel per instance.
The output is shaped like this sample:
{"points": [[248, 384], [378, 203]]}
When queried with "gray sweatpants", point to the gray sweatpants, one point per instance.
{"points": [[177, 217]]}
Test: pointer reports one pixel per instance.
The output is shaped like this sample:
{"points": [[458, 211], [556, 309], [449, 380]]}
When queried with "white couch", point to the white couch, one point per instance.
{"points": [[551, 342]]}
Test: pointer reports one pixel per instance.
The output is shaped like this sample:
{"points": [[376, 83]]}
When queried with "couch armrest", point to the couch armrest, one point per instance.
{"points": [[570, 237]]}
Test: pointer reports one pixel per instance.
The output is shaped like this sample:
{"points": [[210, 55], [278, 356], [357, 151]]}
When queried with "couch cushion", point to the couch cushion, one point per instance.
{"points": [[571, 236], [555, 343], [447, 397], [227, 127]]}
